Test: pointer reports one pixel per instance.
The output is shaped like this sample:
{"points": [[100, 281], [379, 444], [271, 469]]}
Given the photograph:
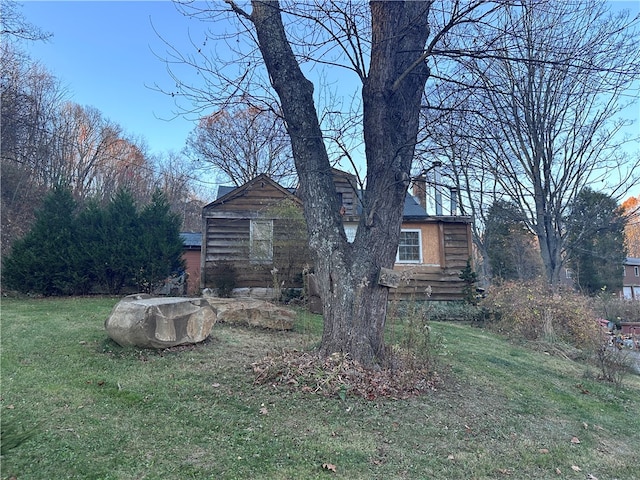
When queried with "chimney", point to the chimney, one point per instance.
{"points": [[453, 193], [436, 173], [420, 190]]}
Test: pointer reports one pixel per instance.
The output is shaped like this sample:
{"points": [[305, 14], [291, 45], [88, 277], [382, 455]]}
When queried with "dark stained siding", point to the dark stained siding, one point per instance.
{"points": [[227, 239], [346, 186], [227, 226]]}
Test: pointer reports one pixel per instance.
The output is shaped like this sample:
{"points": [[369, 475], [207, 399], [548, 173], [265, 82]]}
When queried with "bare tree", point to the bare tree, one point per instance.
{"points": [[175, 179], [631, 208], [29, 97], [241, 143], [15, 28], [384, 46], [547, 97]]}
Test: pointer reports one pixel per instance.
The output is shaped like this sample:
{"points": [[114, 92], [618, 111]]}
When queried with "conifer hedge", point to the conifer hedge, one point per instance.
{"points": [[78, 250]]}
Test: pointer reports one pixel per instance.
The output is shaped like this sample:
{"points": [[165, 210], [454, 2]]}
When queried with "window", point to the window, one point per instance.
{"points": [[261, 241], [636, 271], [350, 231], [409, 248]]}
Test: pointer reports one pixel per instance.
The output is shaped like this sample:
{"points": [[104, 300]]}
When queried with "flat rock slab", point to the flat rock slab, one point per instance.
{"points": [[252, 312], [138, 320]]}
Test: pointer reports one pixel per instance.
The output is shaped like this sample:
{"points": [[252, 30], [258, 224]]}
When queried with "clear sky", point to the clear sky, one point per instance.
{"points": [[103, 52]]}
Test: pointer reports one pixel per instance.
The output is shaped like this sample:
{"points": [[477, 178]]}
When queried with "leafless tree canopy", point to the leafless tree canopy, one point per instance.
{"points": [[540, 113], [521, 99], [241, 143], [48, 140]]}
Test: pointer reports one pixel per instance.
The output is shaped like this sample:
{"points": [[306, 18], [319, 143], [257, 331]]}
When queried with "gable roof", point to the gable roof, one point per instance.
{"points": [[412, 208], [226, 193]]}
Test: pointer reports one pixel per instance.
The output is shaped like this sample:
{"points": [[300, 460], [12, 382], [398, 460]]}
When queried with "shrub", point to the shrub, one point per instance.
{"points": [[413, 347], [609, 306], [614, 364], [532, 312], [225, 279], [469, 277]]}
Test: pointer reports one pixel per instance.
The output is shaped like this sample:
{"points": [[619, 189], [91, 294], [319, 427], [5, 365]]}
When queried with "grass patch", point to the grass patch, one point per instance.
{"points": [[101, 411]]}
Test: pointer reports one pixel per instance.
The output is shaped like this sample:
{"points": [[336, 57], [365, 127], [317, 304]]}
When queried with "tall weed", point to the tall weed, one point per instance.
{"points": [[532, 312]]}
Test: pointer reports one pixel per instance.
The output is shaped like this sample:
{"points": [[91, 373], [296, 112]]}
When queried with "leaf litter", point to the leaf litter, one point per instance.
{"points": [[339, 375]]}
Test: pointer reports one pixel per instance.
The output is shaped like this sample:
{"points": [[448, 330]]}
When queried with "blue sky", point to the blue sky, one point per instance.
{"points": [[103, 52]]}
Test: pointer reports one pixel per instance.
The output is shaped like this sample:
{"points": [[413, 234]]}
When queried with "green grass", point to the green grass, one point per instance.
{"points": [[105, 412]]}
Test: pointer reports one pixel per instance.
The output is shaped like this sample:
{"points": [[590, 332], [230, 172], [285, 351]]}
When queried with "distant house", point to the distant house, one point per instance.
{"points": [[242, 228], [631, 279], [191, 255]]}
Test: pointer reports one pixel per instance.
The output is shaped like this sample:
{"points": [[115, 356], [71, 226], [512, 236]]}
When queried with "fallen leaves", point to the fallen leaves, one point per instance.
{"points": [[329, 466], [338, 375], [505, 471]]}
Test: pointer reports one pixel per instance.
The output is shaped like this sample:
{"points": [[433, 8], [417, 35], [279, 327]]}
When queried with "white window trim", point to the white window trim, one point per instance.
{"points": [[417, 262]]}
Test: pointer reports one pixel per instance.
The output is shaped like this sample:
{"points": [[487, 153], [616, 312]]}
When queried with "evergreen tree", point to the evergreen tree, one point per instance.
{"points": [[509, 244], [595, 235], [470, 277], [46, 260], [159, 246], [119, 232], [92, 236]]}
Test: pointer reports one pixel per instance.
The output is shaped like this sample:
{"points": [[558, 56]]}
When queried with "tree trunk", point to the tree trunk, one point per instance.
{"points": [[354, 305]]}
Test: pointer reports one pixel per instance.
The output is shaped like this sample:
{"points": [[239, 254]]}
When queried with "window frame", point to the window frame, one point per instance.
{"points": [[260, 249], [419, 246]]}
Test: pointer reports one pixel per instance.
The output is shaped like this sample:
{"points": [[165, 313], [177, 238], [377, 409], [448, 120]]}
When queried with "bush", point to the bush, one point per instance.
{"points": [[225, 279], [72, 250], [413, 347], [610, 307], [614, 364], [532, 312]]}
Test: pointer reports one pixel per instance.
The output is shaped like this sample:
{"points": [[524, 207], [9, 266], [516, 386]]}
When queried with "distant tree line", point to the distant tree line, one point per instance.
{"points": [[595, 247], [73, 250], [48, 140]]}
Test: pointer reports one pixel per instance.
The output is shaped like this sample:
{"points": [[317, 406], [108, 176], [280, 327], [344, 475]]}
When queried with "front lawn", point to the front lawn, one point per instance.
{"points": [[99, 411]]}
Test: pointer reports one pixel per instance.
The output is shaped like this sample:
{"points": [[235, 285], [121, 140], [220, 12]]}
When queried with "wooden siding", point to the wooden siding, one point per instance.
{"points": [[421, 282], [226, 226], [226, 223], [346, 186]]}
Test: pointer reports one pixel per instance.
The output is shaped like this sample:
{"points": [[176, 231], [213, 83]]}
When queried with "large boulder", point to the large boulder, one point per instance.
{"points": [[252, 312], [142, 321]]}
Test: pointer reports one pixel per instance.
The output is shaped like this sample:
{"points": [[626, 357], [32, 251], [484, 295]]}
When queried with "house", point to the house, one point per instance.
{"points": [[433, 249], [631, 279], [243, 228], [248, 237], [191, 255]]}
